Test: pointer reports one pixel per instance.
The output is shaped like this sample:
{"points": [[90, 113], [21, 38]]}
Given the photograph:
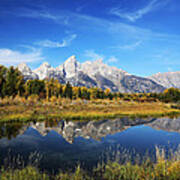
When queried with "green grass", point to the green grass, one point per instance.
{"points": [[161, 170], [82, 110], [28, 173]]}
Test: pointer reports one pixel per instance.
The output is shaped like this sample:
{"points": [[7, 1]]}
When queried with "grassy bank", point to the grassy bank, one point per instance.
{"points": [[163, 169], [26, 110]]}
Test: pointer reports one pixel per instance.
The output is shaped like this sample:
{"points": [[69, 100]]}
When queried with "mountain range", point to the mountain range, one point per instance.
{"points": [[98, 74]]}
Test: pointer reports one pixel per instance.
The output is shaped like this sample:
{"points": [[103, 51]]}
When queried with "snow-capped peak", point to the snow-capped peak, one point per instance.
{"points": [[23, 67], [44, 70]]}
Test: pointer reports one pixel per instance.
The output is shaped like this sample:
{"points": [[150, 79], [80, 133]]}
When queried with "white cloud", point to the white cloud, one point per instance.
{"points": [[112, 59], [117, 30], [133, 16], [53, 44], [42, 14], [11, 57], [129, 46], [86, 22], [93, 55]]}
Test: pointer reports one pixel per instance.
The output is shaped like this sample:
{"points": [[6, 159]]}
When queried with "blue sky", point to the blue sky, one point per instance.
{"points": [[141, 37]]}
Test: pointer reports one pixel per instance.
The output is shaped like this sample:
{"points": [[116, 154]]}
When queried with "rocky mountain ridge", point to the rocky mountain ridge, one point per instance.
{"points": [[168, 79], [94, 74]]}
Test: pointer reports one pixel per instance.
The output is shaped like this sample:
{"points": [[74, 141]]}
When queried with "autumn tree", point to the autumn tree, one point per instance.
{"points": [[85, 93], [75, 92], [171, 95], [52, 88]]}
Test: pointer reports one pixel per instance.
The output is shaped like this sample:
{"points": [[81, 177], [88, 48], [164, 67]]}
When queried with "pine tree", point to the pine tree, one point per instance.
{"points": [[68, 93], [35, 87], [13, 83], [3, 71]]}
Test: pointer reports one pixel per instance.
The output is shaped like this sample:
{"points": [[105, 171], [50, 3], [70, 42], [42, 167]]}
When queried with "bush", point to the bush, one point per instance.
{"points": [[33, 99], [19, 100], [54, 99], [28, 173]]}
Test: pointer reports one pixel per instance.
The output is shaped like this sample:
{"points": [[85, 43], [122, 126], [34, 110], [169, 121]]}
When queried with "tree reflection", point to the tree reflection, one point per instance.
{"points": [[10, 130]]}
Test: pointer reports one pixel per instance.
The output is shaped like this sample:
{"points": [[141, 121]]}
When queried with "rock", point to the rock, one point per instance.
{"points": [[70, 67], [168, 79], [27, 72], [98, 74]]}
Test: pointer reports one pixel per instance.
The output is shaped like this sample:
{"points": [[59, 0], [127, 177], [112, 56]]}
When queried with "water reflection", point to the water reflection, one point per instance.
{"points": [[166, 124], [64, 144], [11, 130], [72, 129]]}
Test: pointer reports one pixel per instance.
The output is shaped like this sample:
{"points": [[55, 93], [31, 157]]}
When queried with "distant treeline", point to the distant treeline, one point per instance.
{"points": [[12, 84]]}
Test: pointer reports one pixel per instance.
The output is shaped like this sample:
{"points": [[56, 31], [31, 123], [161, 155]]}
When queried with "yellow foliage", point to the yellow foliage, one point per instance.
{"points": [[53, 99], [32, 99]]}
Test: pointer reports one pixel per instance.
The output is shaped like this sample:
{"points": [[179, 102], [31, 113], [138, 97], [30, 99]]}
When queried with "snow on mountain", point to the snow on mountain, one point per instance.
{"points": [[26, 71], [44, 70], [70, 67], [93, 74], [168, 79]]}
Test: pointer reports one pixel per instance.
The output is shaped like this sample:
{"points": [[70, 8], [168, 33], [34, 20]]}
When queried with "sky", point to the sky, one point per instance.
{"points": [[141, 37]]}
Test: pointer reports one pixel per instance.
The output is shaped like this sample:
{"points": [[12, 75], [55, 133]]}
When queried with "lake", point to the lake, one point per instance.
{"points": [[54, 145]]}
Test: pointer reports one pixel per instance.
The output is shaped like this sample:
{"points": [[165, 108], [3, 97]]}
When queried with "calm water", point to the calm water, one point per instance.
{"points": [[62, 144]]}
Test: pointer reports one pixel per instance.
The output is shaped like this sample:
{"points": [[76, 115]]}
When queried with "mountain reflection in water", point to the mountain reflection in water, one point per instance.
{"points": [[64, 144], [72, 129]]}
